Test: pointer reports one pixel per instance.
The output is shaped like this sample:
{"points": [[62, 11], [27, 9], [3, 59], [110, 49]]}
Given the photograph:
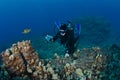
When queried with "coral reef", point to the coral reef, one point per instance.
{"points": [[112, 67], [22, 61], [95, 63]]}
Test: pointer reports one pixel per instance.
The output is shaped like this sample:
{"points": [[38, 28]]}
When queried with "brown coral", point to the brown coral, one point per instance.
{"points": [[21, 60], [18, 56]]}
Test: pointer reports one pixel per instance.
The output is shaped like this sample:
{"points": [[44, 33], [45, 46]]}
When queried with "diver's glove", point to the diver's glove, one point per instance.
{"points": [[48, 38]]}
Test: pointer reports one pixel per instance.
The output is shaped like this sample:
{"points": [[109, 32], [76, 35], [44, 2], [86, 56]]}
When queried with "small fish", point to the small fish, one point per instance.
{"points": [[26, 30]]}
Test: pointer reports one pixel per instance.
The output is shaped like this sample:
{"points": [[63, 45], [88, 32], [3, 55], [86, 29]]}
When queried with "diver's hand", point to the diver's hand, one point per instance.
{"points": [[49, 38]]}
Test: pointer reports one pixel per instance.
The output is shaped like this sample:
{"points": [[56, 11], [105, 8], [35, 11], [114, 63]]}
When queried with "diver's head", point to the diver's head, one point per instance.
{"points": [[63, 29]]}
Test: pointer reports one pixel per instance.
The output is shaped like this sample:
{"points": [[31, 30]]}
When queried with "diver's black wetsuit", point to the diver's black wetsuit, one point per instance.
{"points": [[68, 40]]}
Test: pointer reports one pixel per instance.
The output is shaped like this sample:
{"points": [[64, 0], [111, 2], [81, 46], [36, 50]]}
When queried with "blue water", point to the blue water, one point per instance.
{"points": [[40, 15]]}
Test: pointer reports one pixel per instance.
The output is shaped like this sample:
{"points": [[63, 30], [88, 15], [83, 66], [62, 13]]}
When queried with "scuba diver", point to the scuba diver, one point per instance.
{"points": [[66, 34]]}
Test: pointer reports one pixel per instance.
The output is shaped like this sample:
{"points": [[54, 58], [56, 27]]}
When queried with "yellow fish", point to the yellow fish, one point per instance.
{"points": [[25, 31]]}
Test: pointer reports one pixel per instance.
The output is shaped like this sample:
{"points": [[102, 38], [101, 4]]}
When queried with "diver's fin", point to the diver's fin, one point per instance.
{"points": [[78, 29], [58, 24]]}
